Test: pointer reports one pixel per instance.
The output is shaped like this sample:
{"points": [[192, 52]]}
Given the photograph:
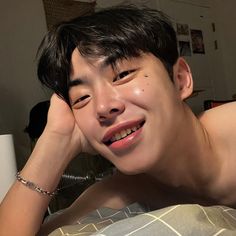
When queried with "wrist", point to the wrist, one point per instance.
{"points": [[47, 163]]}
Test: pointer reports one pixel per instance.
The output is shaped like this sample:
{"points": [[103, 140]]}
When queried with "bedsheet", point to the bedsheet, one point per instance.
{"points": [[182, 220]]}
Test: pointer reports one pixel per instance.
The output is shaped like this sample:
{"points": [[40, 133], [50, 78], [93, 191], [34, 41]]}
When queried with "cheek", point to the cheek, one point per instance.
{"points": [[142, 91], [138, 92], [140, 87], [85, 125]]}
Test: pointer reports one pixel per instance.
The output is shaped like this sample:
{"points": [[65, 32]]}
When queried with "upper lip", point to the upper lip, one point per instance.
{"points": [[122, 126]]}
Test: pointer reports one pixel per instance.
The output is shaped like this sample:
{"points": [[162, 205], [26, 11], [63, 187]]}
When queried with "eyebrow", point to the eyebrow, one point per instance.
{"points": [[75, 82], [105, 63]]}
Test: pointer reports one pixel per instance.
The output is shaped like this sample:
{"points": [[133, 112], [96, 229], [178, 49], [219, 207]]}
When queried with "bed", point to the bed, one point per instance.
{"points": [[186, 219]]}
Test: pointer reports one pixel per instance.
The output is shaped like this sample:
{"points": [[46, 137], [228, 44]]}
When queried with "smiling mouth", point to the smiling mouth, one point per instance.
{"points": [[124, 133]]}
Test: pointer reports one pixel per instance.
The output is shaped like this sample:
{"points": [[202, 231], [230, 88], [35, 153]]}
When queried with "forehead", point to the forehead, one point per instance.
{"points": [[81, 63]]}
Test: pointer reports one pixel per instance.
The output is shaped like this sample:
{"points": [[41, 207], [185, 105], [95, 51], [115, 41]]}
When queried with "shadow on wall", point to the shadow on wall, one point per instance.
{"points": [[12, 122]]}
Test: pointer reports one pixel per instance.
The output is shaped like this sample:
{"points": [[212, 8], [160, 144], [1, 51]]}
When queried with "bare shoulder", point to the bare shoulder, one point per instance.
{"points": [[220, 121], [220, 111]]}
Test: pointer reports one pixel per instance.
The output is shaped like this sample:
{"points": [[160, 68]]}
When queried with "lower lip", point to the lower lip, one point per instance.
{"points": [[126, 142]]}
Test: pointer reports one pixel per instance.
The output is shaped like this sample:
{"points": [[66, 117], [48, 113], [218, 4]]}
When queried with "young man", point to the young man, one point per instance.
{"points": [[122, 88]]}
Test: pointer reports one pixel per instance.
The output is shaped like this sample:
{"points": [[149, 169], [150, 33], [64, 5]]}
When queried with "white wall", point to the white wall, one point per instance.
{"points": [[225, 19], [22, 25]]}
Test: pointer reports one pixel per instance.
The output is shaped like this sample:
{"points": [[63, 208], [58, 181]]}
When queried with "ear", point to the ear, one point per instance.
{"points": [[183, 78]]}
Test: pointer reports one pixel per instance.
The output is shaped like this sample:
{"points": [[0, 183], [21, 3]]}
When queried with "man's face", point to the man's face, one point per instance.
{"points": [[131, 115]]}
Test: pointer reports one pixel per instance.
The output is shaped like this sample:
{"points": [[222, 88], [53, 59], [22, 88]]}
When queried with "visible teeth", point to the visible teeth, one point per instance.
{"points": [[124, 133], [128, 131], [117, 136]]}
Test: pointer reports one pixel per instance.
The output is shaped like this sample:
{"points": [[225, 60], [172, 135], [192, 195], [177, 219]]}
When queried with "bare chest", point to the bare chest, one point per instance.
{"points": [[161, 196]]}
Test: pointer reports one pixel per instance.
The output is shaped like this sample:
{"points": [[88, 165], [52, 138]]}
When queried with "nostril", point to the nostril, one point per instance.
{"points": [[114, 110], [112, 113], [102, 118]]}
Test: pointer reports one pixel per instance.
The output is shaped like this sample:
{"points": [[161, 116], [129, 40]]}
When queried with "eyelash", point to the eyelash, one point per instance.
{"points": [[122, 75], [81, 99]]}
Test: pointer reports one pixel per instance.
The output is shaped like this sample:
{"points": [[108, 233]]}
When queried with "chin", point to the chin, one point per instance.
{"points": [[131, 170]]}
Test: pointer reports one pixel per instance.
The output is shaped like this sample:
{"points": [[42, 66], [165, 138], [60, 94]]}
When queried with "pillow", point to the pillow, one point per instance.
{"points": [[187, 219]]}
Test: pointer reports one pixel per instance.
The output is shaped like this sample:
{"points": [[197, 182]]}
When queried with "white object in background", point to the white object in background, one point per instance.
{"points": [[7, 164]]}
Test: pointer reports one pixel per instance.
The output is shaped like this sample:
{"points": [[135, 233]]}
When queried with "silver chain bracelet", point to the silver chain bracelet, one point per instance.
{"points": [[34, 186]]}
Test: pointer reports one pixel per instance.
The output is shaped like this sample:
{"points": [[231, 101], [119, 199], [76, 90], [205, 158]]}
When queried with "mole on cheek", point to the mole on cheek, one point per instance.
{"points": [[146, 76]]}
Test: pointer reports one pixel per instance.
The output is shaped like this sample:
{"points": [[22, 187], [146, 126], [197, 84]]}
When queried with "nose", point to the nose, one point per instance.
{"points": [[108, 104]]}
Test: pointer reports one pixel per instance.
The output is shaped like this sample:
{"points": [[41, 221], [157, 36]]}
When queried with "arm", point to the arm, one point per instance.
{"points": [[22, 210], [114, 192], [105, 193]]}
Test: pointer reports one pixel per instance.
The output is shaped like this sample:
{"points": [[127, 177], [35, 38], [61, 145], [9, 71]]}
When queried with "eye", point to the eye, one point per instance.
{"points": [[80, 102], [123, 75]]}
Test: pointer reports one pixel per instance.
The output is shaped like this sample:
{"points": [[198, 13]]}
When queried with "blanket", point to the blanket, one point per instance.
{"points": [[182, 220]]}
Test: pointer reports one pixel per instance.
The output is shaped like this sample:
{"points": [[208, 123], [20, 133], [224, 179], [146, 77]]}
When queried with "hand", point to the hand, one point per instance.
{"points": [[61, 122], [60, 118]]}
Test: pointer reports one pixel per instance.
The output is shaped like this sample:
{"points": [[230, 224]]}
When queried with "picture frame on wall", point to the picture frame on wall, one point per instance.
{"points": [[182, 29], [197, 41], [184, 48]]}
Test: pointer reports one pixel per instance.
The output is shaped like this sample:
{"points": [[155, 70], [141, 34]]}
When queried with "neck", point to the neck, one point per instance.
{"points": [[192, 163]]}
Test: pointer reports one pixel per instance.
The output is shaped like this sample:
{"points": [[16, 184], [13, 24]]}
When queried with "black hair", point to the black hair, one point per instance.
{"points": [[114, 33]]}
